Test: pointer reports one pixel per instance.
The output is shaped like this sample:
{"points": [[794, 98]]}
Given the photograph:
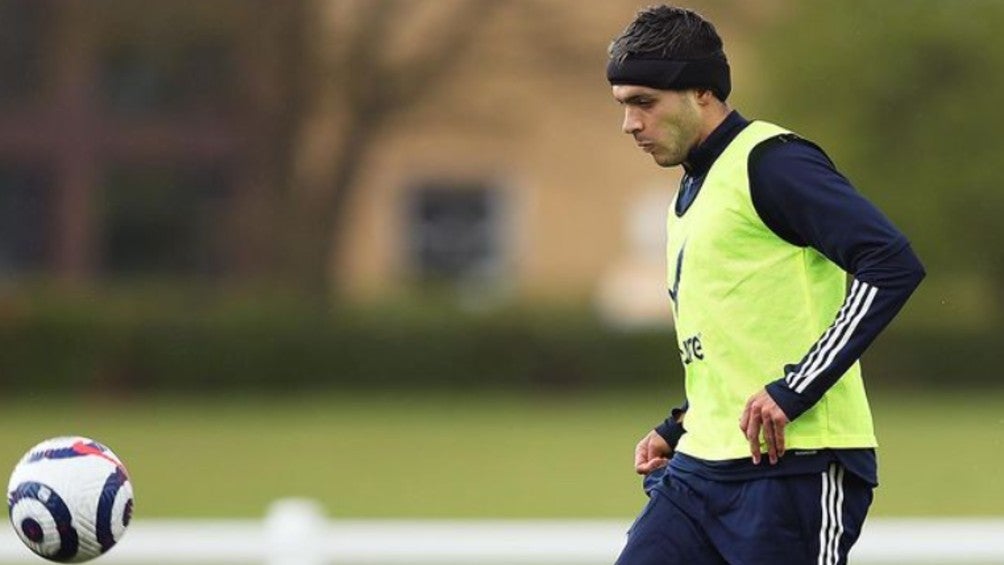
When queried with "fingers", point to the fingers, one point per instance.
{"points": [[768, 436], [640, 454], [773, 433], [779, 436], [750, 424], [752, 429], [650, 454], [763, 415], [651, 465]]}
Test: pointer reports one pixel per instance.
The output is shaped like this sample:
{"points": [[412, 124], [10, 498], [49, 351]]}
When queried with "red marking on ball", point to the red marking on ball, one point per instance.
{"points": [[90, 449]]}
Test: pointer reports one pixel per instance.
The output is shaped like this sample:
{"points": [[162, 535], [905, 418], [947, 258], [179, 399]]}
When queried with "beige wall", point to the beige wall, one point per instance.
{"points": [[545, 129]]}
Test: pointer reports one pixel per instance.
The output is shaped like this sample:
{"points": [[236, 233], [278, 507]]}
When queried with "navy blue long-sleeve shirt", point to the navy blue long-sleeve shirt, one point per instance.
{"points": [[799, 194]]}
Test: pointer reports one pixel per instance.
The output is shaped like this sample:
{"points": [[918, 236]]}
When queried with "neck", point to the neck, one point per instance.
{"points": [[716, 114], [711, 120]]}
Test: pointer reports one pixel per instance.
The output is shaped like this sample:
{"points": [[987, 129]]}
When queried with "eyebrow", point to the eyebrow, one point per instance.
{"points": [[635, 98]]}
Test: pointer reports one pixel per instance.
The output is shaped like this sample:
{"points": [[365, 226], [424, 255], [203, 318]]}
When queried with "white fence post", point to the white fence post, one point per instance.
{"points": [[295, 530]]}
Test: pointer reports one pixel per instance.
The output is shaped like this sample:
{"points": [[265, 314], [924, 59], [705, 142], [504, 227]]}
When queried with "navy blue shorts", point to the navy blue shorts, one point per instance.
{"points": [[810, 519]]}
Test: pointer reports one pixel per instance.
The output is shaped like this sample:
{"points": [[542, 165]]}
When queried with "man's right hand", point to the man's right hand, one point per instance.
{"points": [[651, 453]]}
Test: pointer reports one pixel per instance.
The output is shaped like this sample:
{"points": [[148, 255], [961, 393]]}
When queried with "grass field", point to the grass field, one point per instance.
{"points": [[489, 454]]}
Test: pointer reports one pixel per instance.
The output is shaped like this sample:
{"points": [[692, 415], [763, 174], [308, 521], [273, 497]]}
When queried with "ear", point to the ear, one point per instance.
{"points": [[705, 97]]}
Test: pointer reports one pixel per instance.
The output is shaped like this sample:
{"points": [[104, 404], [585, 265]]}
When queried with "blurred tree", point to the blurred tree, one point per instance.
{"points": [[904, 96], [368, 63]]}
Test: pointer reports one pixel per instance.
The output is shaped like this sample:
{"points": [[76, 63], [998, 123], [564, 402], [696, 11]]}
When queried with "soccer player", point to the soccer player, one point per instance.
{"points": [[772, 458]]}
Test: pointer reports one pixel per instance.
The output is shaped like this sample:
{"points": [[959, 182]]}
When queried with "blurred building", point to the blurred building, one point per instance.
{"points": [[158, 138], [134, 137]]}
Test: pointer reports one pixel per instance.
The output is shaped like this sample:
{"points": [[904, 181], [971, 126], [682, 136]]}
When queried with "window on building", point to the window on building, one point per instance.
{"points": [[165, 74], [162, 220], [25, 203], [22, 32], [454, 231]]}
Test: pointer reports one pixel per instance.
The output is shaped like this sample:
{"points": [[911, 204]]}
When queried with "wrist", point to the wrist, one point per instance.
{"points": [[790, 402], [671, 431]]}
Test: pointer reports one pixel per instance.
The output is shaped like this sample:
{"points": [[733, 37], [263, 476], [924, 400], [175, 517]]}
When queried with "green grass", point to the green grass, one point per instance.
{"points": [[940, 454], [489, 454]]}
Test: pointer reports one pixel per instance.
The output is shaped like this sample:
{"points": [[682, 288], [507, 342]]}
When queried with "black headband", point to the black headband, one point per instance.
{"points": [[673, 74]]}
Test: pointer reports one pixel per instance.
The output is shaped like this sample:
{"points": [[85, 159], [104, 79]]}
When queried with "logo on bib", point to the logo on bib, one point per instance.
{"points": [[675, 291], [692, 350]]}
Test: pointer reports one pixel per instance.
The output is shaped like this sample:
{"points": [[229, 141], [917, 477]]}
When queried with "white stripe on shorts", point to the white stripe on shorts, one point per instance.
{"points": [[831, 500]]}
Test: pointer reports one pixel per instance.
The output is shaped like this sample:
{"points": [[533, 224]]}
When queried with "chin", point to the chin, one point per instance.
{"points": [[666, 162]]}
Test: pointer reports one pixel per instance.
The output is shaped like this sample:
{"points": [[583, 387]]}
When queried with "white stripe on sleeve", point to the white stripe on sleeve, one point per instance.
{"points": [[856, 306], [815, 351]]}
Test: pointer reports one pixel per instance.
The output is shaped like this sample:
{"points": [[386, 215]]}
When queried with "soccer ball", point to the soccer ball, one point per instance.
{"points": [[70, 499]]}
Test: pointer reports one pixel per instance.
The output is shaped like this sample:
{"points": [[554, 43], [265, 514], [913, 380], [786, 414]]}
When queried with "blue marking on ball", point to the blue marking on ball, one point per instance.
{"points": [[69, 541], [32, 530], [103, 521], [127, 513]]}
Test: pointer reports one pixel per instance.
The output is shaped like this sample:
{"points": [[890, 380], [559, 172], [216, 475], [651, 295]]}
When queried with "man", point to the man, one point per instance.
{"points": [[771, 460]]}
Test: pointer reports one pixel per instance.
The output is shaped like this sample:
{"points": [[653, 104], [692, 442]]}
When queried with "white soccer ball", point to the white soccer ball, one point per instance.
{"points": [[70, 499]]}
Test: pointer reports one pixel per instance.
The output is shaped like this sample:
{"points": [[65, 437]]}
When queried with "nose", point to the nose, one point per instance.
{"points": [[632, 124]]}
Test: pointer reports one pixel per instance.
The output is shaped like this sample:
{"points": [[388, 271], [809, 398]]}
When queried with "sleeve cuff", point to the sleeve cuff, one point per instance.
{"points": [[791, 403], [671, 431]]}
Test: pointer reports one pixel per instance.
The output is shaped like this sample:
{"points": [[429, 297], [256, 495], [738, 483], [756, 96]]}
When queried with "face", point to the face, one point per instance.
{"points": [[664, 123]]}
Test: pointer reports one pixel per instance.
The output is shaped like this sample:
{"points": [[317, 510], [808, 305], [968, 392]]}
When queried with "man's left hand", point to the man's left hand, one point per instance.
{"points": [[763, 414]]}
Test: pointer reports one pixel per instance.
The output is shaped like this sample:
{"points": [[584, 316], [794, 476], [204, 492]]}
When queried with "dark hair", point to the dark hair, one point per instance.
{"points": [[667, 32]]}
